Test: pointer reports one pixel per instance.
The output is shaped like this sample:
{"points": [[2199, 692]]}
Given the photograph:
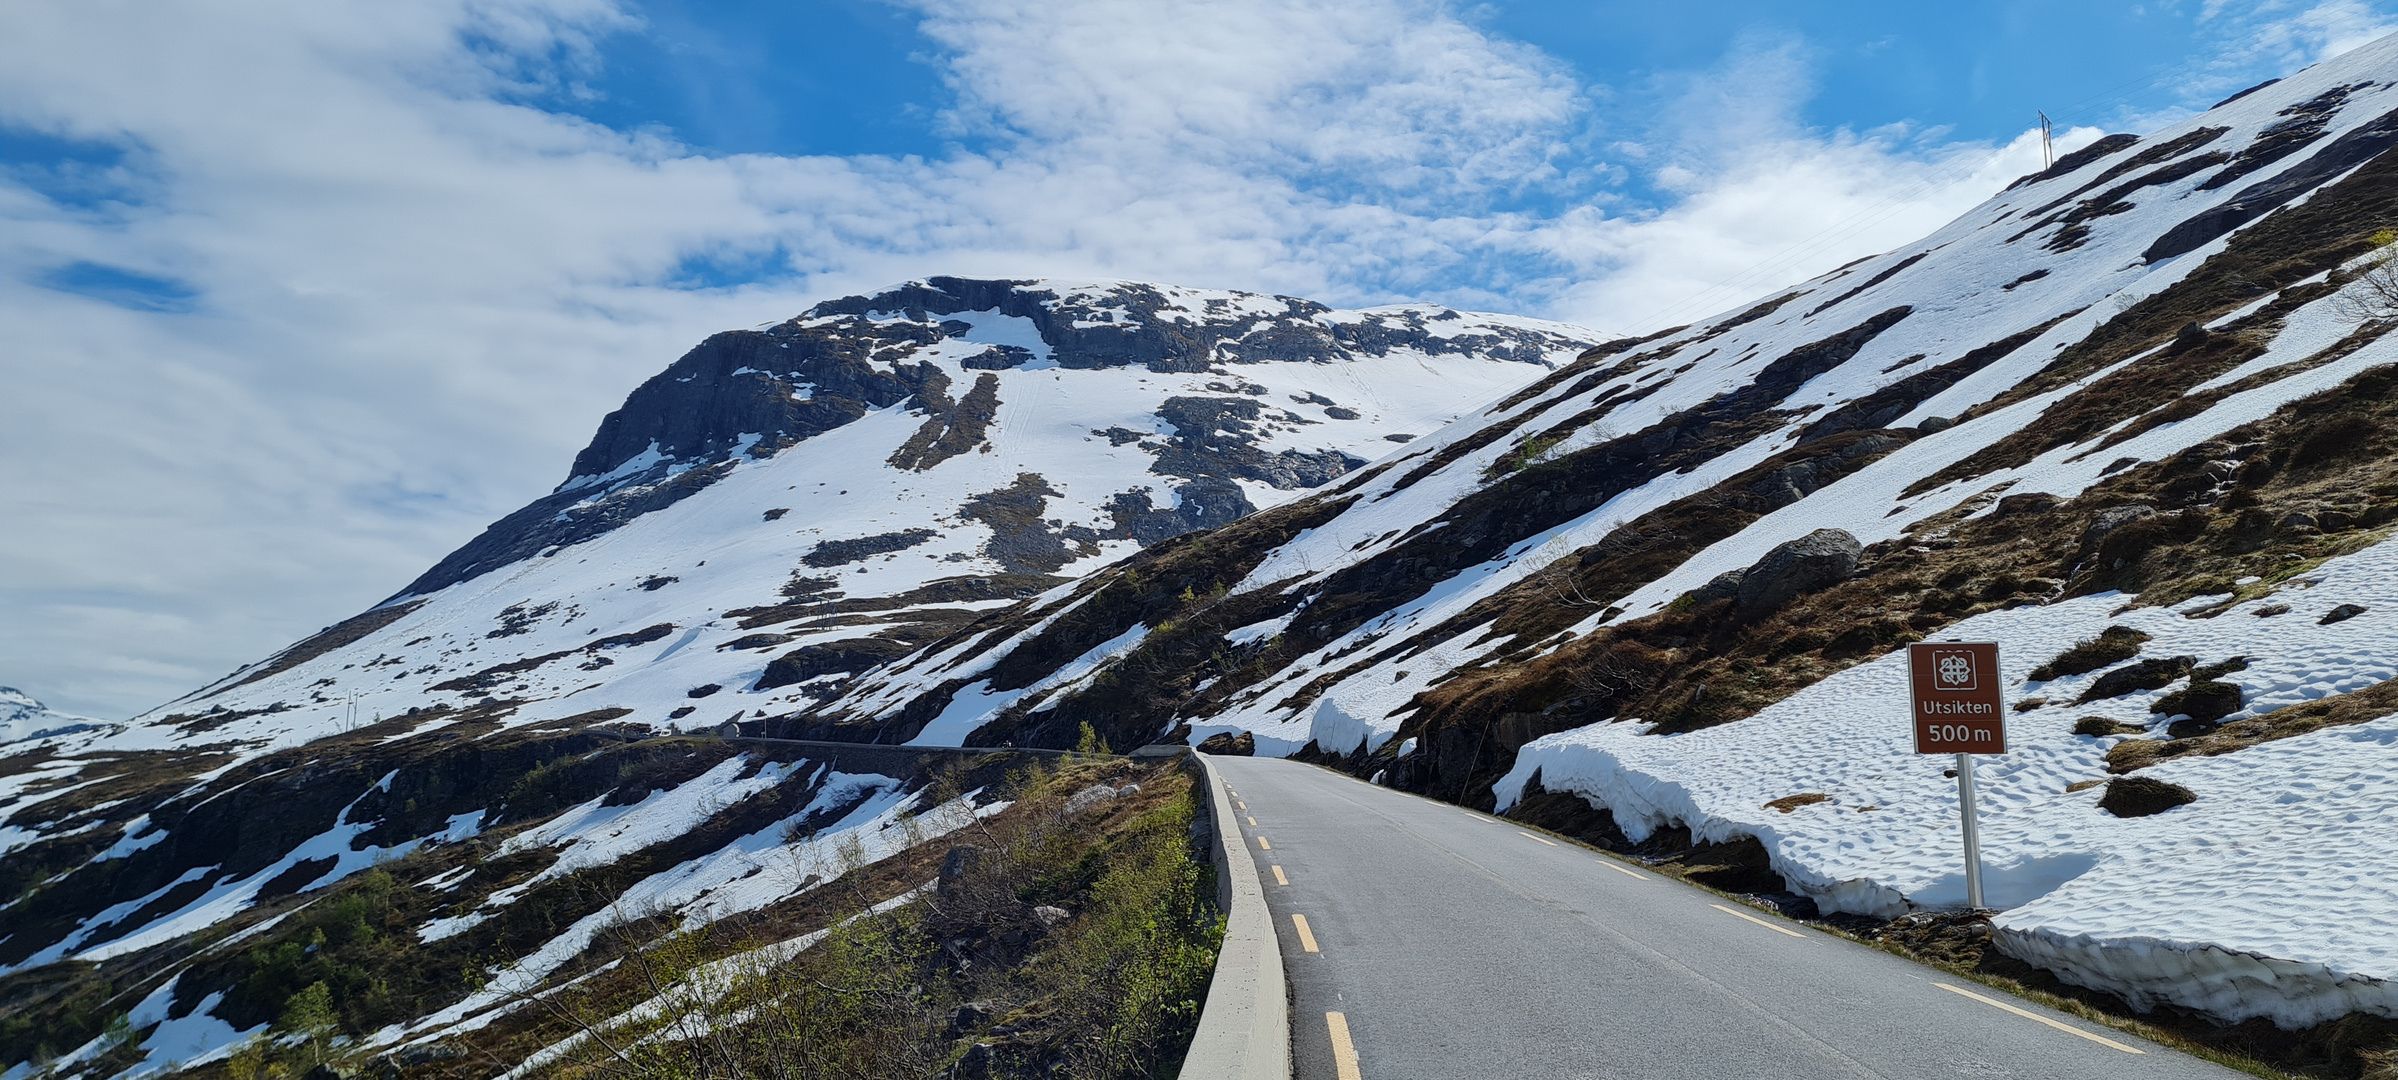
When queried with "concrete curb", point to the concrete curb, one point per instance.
{"points": [[1245, 1026]]}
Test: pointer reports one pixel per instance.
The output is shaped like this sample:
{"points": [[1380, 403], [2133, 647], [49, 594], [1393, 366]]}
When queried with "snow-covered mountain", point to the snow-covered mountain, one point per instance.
{"points": [[2132, 418], [21, 717], [777, 512]]}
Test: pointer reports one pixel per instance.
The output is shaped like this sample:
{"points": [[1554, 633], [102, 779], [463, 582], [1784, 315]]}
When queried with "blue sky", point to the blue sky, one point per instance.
{"points": [[300, 294], [848, 77]]}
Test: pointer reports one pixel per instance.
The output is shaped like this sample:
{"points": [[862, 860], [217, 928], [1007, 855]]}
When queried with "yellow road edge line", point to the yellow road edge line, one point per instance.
{"points": [[1253, 821], [1760, 922], [1307, 938], [1240, 805], [1344, 1053], [1551, 843], [1278, 878], [1633, 874], [1262, 845], [2030, 1015]]}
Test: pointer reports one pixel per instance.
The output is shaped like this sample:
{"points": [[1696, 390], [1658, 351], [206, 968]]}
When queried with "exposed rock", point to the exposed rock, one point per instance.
{"points": [[2342, 613], [2111, 519], [1090, 798], [1050, 915], [1229, 744], [2204, 701], [2346, 152], [832, 553], [2141, 796], [847, 657], [962, 860], [971, 1015], [1820, 558], [1723, 586], [2145, 675]]}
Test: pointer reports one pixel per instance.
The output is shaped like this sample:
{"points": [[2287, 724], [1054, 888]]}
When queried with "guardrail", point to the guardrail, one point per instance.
{"points": [[1245, 1025]]}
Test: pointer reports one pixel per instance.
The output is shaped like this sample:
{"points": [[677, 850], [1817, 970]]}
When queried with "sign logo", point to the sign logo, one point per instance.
{"points": [[1954, 669]]}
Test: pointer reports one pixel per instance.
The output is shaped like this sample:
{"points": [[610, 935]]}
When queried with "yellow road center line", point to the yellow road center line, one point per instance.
{"points": [[1262, 845], [1344, 1054], [1551, 843], [1758, 921], [1240, 805], [1252, 822], [1635, 875], [1307, 938], [2030, 1015], [1278, 878]]}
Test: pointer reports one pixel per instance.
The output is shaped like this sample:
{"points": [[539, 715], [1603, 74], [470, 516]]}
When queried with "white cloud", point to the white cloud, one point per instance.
{"points": [[412, 295]]}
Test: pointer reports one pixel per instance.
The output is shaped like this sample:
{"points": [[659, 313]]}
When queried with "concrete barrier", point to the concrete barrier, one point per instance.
{"points": [[1245, 1026]]}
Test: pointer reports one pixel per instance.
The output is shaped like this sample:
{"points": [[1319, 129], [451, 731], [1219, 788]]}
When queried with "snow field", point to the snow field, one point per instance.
{"points": [[2286, 859]]}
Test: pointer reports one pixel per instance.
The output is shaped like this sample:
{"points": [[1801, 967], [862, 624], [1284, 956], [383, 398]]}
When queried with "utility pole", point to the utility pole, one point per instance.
{"points": [[2048, 153]]}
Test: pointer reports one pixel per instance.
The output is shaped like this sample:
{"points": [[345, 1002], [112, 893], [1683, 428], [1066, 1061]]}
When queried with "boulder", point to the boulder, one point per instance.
{"points": [[960, 862], [1227, 743], [1820, 558], [1089, 799], [1723, 586], [971, 1015], [2342, 613]]}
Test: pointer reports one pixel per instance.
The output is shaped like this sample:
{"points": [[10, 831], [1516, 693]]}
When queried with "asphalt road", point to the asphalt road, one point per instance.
{"points": [[1440, 943]]}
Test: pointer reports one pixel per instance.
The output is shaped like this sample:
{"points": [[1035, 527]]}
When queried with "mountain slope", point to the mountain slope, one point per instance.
{"points": [[776, 512], [2145, 384]]}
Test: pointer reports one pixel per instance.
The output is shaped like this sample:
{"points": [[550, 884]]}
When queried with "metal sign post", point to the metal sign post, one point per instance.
{"points": [[1958, 708]]}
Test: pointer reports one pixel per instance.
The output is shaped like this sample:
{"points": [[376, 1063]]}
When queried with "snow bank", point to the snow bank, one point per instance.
{"points": [[2271, 895]]}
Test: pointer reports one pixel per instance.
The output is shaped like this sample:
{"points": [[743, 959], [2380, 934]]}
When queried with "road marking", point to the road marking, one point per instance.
{"points": [[1344, 1055], [1262, 845], [1761, 922], [2030, 1015], [1551, 843], [1253, 822], [1307, 938], [1634, 875], [1278, 878], [1239, 804]]}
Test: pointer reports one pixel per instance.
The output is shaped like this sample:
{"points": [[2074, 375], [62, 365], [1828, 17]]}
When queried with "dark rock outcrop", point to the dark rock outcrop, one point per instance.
{"points": [[1820, 558]]}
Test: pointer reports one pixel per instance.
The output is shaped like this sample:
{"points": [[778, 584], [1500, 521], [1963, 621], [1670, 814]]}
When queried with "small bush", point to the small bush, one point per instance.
{"points": [[2099, 726], [2336, 438], [2141, 796], [2114, 644]]}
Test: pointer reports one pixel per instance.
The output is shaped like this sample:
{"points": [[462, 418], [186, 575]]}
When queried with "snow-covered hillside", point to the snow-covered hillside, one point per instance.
{"points": [[2165, 334], [2135, 418]]}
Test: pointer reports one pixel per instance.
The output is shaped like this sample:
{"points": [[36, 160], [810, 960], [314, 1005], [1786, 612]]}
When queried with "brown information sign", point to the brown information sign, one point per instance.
{"points": [[1958, 708]]}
